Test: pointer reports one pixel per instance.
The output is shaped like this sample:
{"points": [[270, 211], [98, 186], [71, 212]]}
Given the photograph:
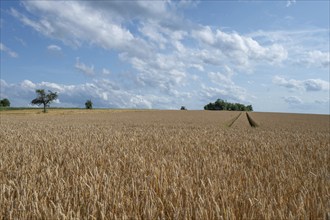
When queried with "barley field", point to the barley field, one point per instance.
{"points": [[112, 164]]}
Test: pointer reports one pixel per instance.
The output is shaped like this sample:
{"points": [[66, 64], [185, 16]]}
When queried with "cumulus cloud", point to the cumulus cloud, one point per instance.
{"points": [[290, 84], [292, 100], [322, 101], [238, 48], [290, 3], [204, 34], [162, 36], [315, 58], [305, 47], [163, 72], [129, 10], [307, 85], [235, 94], [106, 71], [54, 48], [315, 85], [74, 23], [7, 50], [226, 87], [307, 105], [223, 79], [87, 70], [103, 93]]}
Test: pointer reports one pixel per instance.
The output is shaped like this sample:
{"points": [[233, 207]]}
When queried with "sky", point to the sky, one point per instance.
{"points": [[273, 55]]}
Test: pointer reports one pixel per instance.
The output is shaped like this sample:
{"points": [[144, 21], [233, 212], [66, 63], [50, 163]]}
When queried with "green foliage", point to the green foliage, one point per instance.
{"points": [[221, 104], [89, 104], [4, 103], [44, 98]]}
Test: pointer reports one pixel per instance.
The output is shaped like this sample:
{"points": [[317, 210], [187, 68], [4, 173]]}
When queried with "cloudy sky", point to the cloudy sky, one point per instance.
{"points": [[165, 54]]}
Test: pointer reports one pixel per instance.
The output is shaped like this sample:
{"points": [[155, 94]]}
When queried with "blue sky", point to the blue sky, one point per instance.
{"points": [[165, 54]]}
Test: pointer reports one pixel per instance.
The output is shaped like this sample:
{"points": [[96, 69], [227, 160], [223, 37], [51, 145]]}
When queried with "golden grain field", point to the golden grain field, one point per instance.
{"points": [[104, 164]]}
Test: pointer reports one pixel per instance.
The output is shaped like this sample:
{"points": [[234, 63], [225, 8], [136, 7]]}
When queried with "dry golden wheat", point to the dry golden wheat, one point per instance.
{"points": [[163, 165]]}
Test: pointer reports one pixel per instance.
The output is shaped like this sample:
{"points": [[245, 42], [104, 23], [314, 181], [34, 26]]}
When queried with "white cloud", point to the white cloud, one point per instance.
{"points": [[221, 79], [292, 100], [103, 93], [290, 3], [315, 85], [316, 58], [88, 70], [130, 10], [8, 51], [310, 38], [74, 23], [106, 71], [162, 36], [28, 85], [233, 94], [240, 49], [306, 104], [306, 47], [290, 84], [163, 71], [54, 48], [322, 101], [151, 30], [226, 87], [204, 34], [43, 26], [307, 85]]}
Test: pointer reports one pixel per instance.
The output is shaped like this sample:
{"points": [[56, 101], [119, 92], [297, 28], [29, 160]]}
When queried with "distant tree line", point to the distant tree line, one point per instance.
{"points": [[224, 105]]}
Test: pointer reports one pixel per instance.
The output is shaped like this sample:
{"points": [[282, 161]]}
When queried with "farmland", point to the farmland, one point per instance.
{"points": [[130, 164]]}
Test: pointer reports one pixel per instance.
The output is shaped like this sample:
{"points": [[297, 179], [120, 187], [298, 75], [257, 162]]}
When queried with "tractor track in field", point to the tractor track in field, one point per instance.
{"points": [[252, 122], [246, 120], [233, 120]]}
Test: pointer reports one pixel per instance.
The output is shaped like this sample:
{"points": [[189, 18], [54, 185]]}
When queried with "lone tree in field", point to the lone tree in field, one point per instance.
{"points": [[89, 104], [44, 98], [4, 103]]}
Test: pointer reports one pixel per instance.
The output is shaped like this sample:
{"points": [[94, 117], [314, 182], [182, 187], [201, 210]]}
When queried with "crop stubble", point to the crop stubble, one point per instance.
{"points": [[164, 165]]}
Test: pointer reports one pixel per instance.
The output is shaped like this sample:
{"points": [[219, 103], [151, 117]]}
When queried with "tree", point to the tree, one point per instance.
{"points": [[183, 108], [44, 98], [249, 108], [221, 104], [4, 103], [89, 104]]}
